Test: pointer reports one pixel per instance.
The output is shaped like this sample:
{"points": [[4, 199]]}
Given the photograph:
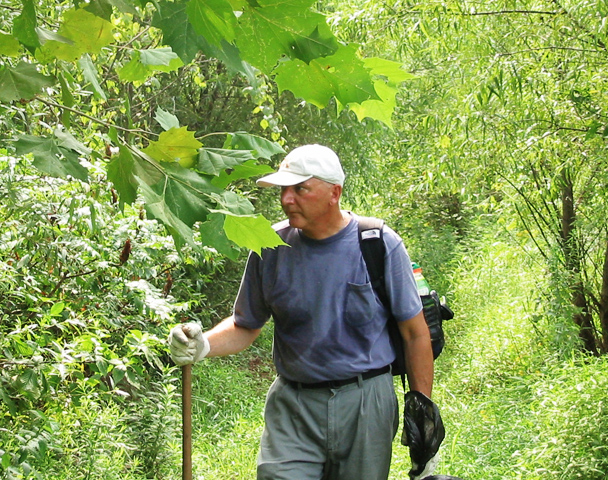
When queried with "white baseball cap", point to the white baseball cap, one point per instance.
{"points": [[303, 163]]}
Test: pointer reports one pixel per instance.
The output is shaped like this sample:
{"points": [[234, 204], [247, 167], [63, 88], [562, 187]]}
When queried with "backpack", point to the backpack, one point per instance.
{"points": [[373, 250]]}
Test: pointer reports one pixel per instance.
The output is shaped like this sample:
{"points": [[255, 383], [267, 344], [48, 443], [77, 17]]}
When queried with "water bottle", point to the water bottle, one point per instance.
{"points": [[423, 286]]}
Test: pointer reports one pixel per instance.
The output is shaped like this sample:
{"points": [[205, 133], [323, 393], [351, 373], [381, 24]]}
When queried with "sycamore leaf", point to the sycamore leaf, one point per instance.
{"points": [[342, 75], [145, 167], [215, 160], [22, 82], [45, 35], [178, 33], [166, 120], [271, 29], [186, 192], [173, 145], [157, 208], [213, 235], [212, 19], [90, 74], [9, 45], [144, 63], [157, 56], [24, 26], [390, 74], [261, 147], [230, 56], [232, 204], [67, 140], [253, 233], [239, 172], [392, 71], [88, 32], [121, 174], [172, 19], [381, 110], [51, 158], [125, 6], [134, 71], [101, 8]]}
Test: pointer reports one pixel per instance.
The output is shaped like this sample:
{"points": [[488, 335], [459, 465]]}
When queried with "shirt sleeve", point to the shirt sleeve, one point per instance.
{"points": [[399, 278], [250, 309]]}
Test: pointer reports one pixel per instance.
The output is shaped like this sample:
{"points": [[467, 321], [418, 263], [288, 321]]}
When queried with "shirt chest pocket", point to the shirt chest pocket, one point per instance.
{"points": [[360, 304]]}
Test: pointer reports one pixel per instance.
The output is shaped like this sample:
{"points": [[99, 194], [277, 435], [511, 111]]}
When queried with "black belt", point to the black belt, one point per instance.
{"points": [[340, 383]]}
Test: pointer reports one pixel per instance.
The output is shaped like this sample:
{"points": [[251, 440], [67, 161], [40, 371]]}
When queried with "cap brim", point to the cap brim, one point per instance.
{"points": [[282, 179]]}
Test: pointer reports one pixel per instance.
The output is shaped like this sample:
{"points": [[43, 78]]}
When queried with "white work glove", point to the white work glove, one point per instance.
{"points": [[187, 344], [429, 468]]}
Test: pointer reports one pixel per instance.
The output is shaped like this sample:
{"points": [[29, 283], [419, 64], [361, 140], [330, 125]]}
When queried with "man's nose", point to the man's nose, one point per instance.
{"points": [[287, 195]]}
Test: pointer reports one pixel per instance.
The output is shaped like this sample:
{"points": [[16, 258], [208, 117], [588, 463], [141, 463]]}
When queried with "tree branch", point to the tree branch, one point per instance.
{"points": [[95, 119]]}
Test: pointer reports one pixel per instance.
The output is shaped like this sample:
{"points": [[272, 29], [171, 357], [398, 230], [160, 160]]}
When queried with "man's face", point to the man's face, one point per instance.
{"points": [[308, 204]]}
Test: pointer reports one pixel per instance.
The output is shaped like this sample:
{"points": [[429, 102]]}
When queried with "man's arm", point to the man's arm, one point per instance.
{"points": [[418, 354], [227, 338]]}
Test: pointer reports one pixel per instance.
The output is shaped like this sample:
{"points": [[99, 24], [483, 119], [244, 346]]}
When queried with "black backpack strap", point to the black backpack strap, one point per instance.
{"points": [[373, 250]]}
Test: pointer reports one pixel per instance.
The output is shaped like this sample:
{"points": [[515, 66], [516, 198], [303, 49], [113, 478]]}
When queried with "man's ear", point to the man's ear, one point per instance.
{"points": [[336, 193]]}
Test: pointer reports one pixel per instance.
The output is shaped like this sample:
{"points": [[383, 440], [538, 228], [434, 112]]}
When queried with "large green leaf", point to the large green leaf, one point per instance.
{"points": [[392, 72], [22, 82], [9, 45], [121, 174], [271, 29], [134, 71], [178, 33], [253, 233], [187, 193], [213, 235], [342, 75], [51, 158], [381, 110], [174, 145], [262, 147], [144, 63], [215, 160], [157, 208], [165, 119], [157, 56], [212, 19], [88, 32], [67, 140], [240, 172], [90, 74], [24, 26], [232, 204]]}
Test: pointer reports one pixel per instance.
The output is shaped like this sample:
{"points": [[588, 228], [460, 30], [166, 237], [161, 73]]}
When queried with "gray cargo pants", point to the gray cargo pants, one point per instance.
{"points": [[344, 433]]}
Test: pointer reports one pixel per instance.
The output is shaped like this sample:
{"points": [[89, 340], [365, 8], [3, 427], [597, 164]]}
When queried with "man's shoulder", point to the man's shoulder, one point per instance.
{"points": [[281, 226], [390, 236]]}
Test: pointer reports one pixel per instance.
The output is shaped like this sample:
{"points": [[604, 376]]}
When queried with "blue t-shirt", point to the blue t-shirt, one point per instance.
{"points": [[329, 323]]}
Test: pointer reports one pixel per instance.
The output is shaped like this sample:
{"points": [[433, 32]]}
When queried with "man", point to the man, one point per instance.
{"points": [[332, 412]]}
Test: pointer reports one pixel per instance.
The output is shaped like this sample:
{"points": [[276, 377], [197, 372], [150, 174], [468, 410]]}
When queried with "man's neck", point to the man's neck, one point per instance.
{"points": [[339, 220]]}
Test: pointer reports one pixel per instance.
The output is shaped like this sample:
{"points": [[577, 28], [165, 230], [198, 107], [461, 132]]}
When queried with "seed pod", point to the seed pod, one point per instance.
{"points": [[126, 251]]}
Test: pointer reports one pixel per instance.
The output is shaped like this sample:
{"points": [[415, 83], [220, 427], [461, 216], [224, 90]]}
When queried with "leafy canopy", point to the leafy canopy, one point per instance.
{"points": [[80, 64]]}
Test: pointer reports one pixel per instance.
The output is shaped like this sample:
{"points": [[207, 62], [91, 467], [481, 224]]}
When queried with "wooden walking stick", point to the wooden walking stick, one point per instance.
{"points": [[187, 422]]}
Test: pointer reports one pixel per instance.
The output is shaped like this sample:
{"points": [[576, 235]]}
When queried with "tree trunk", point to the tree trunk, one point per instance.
{"points": [[583, 318], [603, 307]]}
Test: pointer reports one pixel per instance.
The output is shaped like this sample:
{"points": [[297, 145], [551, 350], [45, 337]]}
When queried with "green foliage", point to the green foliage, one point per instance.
{"points": [[510, 395], [89, 72], [88, 291]]}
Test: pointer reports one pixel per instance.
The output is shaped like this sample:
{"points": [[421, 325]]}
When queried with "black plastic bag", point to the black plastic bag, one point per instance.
{"points": [[441, 477], [423, 430]]}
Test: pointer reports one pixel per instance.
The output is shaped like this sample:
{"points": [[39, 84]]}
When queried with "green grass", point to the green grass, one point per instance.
{"points": [[515, 404]]}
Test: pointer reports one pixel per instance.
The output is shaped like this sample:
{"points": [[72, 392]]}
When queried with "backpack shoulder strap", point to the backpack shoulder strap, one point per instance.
{"points": [[373, 249]]}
